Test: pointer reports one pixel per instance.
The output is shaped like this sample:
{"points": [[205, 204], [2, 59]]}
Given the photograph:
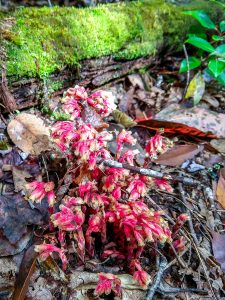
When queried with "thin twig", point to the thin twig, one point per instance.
{"points": [[188, 71], [181, 290], [152, 289], [204, 268], [179, 259], [190, 223], [45, 166], [148, 172]]}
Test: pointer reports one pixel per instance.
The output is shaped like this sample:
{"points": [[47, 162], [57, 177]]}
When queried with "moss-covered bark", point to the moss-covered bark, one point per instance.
{"points": [[41, 41]]}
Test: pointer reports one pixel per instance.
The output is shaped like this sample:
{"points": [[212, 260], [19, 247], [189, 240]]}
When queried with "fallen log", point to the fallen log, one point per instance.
{"points": [[46, 50]]}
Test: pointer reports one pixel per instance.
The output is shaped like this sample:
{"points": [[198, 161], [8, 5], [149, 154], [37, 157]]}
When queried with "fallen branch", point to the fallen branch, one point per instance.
{"points": [[154, 286], [149, 172]]}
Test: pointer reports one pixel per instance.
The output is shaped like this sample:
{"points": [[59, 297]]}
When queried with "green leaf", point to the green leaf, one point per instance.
{"points": [[201, 43], [193, 63], [216, 67], [217, 38], [221, 78], [220, 50], [202, 18], [196, 88], [222, 26]]}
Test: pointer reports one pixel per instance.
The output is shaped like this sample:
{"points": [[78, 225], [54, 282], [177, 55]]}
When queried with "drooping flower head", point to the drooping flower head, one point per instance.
{"points": [[140, 275], [124, 137], [46, 250], [39, 190], [78, 93], [157, 145], [108, 283], [63, 133], [103, 102], [163, 184]]}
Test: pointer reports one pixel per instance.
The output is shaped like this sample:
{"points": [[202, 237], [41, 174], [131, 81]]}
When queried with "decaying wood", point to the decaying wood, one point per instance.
{"points": [[6, 98], [92, 73]]}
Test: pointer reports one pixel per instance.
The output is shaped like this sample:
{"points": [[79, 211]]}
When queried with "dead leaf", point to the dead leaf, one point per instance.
{"points": [[212, 101], [19, 178], [218, 245], [89, 115], [196, 88], [220, 190], [219, 145], [29, 133], [202, 119], [27, 268], [123, 119], [178, 154], [136, 81], [15, 215]]}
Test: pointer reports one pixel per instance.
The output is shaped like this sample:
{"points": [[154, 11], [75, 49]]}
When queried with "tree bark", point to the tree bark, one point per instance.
{"points": [[93, 73]]}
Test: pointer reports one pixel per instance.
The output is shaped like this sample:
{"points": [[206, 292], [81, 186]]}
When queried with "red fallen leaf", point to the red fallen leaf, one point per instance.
{"points": [[220, 190], [218, 245], [197, 121], [171, 128], [178, 154]]}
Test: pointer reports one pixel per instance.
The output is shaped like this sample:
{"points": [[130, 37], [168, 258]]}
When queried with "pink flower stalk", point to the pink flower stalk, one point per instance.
{"points": [[97, 224], [128, 156], [63, 133], [114, 178], [90, 144], [113, 254], [179, 244], [40, 189], [116, 193], [46, 250], [68, 219], [78, 93], [141, 276], [137, 225], [137, 188], [163, 184], [179, 224], [108, 283], [157, 144], [124, 137], [72, 107], [79, 237], [102, 102]]}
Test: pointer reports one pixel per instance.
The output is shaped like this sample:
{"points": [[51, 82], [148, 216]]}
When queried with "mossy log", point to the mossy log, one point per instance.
{"points": [[50, 49]]}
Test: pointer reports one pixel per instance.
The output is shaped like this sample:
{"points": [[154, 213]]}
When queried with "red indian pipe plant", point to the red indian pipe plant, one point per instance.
{"points": [[106, 205]]}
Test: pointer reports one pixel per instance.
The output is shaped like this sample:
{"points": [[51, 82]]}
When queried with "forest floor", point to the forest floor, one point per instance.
{"points": [[151, 101]]}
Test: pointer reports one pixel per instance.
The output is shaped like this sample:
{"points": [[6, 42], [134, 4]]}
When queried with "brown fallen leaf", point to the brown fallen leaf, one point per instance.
{"points": [[220, 190], [178, 154], [218, 144], [200, 118], [218, 245], [27, 268], [29, 133], [19, 178]]}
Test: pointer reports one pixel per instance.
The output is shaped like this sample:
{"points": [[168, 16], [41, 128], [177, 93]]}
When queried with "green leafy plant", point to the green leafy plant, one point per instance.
{"points": [[210, 42]]}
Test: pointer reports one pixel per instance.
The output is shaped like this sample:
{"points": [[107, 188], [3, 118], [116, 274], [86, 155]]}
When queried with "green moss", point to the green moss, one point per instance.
{"points": [[46, 40], [54, 85]]}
